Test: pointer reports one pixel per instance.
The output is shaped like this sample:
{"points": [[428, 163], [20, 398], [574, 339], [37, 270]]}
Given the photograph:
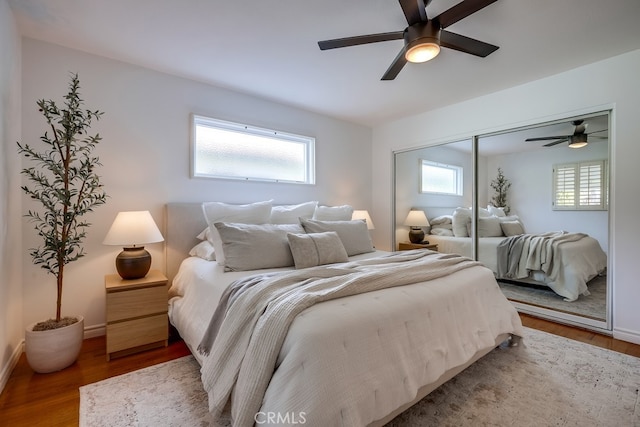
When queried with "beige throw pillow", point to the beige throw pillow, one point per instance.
{"points": [[313, 249]]}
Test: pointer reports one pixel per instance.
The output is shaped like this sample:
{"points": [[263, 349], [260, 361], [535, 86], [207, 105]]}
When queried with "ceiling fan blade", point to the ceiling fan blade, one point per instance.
{"points": [[414, 10], [548, 138], [597, 137], [395, 66], [551, 144], [357, 40], [597, 131], [461, 11], [466, 44]]}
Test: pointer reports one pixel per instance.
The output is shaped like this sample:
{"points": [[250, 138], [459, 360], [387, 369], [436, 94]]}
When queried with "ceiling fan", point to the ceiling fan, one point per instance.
{"points": [[577, 140], [423, 37]]}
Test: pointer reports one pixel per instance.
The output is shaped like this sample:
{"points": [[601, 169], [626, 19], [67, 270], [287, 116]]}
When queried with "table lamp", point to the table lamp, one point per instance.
{"points": [[363, 214], [416, 220], [133, 230]]}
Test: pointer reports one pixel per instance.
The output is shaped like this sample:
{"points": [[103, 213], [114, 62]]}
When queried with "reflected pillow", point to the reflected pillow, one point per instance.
{"points": [[512, 228], [489, 227], [461, 217], [313, 249]]}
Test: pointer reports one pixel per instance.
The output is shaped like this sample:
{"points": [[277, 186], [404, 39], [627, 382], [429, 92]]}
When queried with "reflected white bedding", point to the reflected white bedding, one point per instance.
{"points": [[581, 261], [354, 361]]}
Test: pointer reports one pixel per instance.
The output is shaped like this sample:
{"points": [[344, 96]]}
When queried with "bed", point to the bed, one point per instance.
{"points": [[357, 360], [564, 262]]}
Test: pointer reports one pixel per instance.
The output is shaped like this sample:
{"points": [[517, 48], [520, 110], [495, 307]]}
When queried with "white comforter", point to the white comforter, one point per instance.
{"points": [[579, 261], [354, 360]]}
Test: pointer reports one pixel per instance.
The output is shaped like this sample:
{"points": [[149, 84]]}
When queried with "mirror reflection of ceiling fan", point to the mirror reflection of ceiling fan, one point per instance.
{"points": [[577, 140], [423, 37]]}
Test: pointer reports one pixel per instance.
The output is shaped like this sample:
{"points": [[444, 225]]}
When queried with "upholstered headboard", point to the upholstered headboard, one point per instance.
{"points": [[183, 222]]}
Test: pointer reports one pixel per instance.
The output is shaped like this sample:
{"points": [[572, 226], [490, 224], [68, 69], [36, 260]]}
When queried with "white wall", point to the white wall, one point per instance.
{"points": [[595, 87], [11, 331], [145, 153]]}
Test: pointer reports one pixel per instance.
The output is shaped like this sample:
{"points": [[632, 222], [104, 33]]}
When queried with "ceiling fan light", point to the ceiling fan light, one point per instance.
{"points": [[422, 52], [578, 141]]}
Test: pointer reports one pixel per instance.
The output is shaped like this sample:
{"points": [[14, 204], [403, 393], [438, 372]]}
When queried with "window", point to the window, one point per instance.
{"points": [[580, 186], [229, 150], [440, 178]]}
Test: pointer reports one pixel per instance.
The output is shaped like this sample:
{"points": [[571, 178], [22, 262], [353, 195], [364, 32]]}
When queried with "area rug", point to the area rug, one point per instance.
{"points": [[593, 306], [546, 381]]}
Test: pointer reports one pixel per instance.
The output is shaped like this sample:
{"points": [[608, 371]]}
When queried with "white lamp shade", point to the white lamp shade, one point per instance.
{"points": [[363, 214], [416, 218], [133, 228]]}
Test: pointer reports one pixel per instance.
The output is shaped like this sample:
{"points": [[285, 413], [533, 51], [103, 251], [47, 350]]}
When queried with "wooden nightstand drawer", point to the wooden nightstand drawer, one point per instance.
{"points": [[136, 302], [137, 332], [407, 246], [136, 313]]}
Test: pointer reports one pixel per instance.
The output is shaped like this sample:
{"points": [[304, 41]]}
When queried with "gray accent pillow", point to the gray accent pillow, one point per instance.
{"points": [[353, 234], [512, 228], [313, 249], [256, 246]]}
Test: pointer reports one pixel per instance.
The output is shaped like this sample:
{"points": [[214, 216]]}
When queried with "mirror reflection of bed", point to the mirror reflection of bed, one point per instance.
{"points": [[568, 243]]}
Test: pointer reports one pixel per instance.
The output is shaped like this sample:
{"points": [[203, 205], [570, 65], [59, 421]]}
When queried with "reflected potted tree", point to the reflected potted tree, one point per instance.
{"points": [[64, 182]]}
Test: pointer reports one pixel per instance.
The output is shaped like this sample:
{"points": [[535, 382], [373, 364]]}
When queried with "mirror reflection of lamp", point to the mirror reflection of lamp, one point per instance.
{"points": [[416, 220], [133, 230]]}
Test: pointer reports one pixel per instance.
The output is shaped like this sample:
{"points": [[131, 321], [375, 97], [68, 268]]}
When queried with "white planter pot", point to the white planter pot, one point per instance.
{"points": [[53, 350]]}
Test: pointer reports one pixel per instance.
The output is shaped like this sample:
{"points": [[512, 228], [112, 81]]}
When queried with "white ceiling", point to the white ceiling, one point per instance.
{"points": [[269, 48]]}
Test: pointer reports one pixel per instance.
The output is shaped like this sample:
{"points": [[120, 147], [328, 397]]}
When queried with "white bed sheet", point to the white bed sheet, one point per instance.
{"points": [[355, 360]]}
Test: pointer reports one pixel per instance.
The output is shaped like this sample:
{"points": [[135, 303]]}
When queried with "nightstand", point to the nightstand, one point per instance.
{"points": [[136, 313], [406, 246]]}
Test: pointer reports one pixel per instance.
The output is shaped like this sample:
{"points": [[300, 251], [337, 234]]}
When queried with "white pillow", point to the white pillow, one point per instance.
{"points": [[333, 213], [353, 234], [203, 250], [461, 217], [289, 214], [489, 227], [313, 249], [496, 211], [256, 246], [204, 234], [253, 213]]}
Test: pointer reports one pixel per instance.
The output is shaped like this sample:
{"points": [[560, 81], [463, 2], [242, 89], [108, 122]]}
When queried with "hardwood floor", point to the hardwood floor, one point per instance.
{"points": [[31, 399]]}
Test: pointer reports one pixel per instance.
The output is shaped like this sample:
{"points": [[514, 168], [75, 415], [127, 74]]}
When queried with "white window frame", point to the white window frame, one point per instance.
{"points": [[252, 131], [575, 172], [458, 173]]}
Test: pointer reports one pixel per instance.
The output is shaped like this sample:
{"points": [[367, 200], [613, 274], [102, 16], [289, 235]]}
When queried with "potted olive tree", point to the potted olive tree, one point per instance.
{"points": [[64, 182]]}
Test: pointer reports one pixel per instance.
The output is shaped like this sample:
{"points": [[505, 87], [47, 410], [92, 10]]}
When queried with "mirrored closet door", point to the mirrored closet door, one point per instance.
{"points": [[550, 180]]}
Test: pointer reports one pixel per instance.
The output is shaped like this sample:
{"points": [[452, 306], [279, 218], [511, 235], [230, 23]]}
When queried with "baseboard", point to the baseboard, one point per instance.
{"points": [[11, 363], [95, 330], [626, 335]]}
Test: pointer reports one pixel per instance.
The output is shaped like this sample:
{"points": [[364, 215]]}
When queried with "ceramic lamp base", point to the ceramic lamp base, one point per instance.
{"points": [[133, 263], [416, 235]]}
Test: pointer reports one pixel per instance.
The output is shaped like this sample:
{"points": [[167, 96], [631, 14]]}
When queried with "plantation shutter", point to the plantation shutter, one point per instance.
{"points": [[565, 187], [580, 186], [591, 185]]}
